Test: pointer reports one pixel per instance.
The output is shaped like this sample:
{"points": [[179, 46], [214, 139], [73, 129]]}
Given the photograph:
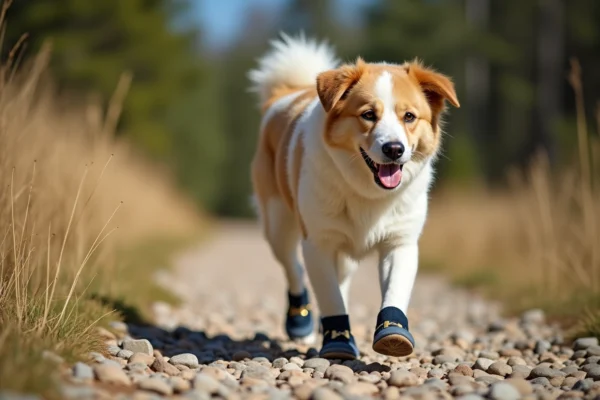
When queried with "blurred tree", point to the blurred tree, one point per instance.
{"points": [[95, 41]]}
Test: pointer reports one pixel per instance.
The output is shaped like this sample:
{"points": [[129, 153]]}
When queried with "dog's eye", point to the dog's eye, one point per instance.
{"points": [[409, 117], [369, 115]]}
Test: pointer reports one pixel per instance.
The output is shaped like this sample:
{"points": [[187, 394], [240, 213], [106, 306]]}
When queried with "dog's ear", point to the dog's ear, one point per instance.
{"points": [[437, 87], [333, 85]]}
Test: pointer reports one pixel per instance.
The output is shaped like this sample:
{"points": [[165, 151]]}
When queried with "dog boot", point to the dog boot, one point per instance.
{"points": [[392, 337], [299, 322], [338, 342]]}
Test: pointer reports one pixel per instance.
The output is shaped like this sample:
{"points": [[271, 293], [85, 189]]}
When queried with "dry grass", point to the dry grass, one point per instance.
{"points": [[536, 245], [71, 196]]}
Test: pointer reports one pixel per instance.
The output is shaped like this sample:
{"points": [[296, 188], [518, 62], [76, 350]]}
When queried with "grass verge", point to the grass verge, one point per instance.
{"points": [[536, 245], [73, 201], [138, 263]]}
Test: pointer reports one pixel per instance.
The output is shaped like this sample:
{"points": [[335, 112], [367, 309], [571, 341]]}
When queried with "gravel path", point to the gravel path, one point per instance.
{"points": [[227, 341]]}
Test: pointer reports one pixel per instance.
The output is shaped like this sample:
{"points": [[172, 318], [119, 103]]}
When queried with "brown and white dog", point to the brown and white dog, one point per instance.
{"points": [[343, 167]]}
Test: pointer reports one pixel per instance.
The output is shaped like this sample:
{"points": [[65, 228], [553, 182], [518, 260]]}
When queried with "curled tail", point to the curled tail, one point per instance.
{"points": [[291, 62]]}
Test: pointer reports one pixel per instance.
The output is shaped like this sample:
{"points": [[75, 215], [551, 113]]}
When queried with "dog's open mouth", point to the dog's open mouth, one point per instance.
{"points": [[387, 176]]}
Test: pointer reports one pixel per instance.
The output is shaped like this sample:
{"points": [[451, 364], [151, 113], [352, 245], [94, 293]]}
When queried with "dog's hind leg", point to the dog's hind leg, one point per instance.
{"points": [[283, 235]]}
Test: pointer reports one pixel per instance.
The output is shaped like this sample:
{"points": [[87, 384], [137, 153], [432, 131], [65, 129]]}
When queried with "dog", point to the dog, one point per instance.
{"points": [[343, 167]]}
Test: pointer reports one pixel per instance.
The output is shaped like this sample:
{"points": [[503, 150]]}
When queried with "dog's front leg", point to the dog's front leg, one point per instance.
{"points": [[397, 272], [322, 267]]}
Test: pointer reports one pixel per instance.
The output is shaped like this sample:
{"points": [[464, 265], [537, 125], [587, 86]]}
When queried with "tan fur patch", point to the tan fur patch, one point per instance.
{"points": [[269, 168]]}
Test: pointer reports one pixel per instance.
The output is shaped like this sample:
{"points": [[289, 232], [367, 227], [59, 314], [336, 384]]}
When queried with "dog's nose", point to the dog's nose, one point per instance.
{"points": [[393, 150]]}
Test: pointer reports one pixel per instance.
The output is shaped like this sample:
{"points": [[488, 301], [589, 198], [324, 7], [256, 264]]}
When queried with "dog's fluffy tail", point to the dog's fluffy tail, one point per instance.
{"points": [[292, 62]]}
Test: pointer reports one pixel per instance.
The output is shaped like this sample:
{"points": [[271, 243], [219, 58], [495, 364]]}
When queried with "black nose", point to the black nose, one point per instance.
{"points": [[393, 150]]}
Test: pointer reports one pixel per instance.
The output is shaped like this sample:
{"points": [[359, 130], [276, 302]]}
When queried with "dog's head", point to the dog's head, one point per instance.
{"points": [[383, 116]]}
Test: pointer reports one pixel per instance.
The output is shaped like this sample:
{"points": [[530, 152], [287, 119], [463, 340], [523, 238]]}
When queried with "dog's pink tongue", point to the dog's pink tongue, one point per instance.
{"points": [[390, 175]]}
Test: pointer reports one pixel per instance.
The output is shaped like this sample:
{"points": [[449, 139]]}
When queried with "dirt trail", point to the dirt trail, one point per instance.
{"points": [[227, 340], [235, 273]]}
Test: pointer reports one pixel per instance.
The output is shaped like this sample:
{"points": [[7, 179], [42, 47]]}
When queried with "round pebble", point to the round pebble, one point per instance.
{"points": [[187, 359]]}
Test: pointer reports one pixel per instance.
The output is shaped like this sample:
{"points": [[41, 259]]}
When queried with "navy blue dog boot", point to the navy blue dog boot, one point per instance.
{"points": [[392, 337], [299, 322], [338, 342]]}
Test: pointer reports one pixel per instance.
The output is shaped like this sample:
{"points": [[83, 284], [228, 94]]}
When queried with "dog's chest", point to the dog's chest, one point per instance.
{"points": [[357, 227]]}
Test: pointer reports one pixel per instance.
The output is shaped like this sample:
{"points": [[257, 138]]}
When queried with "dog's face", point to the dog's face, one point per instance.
{"points": [[384, 116]]}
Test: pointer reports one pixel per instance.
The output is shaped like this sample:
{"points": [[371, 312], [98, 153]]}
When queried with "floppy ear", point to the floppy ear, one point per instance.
{"points": [[437, 87], [332, 85]]}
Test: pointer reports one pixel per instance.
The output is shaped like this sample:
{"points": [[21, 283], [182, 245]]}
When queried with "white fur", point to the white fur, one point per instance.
{"points": [[283, 235], [346, 214], [389, 128], [294, 62], [340, 220]]}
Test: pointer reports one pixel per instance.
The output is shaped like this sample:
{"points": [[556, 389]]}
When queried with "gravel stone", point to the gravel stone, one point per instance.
{"points": [[545, 372], [488, 379], [523, 386], [179, 384], [291, 367], [279, 362], [492, 355], [206, 383], [441, 359], [141, 358], [520, 371], [83, 372], [340, 373], [593, 351], [584, 343], [540, 381], [583, 385], [113, 350], [258, 372], [482, 363], [111, 374], [436, 373], [594, 372], [457, 379], [187, 359], [464, 370], [499, 368], [360, 389], [157, 385], [138, 346], [403, 378], [318, 364], [542, 346], [324, 393], [125, 354], [512, 361], [504, 391]]}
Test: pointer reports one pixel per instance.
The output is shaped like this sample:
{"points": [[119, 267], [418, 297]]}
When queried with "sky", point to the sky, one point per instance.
{"points": [[221, 20]]}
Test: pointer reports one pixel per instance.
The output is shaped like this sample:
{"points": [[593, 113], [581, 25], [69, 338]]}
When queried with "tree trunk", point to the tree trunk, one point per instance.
{"points": [[551, 75], [477, 80]]}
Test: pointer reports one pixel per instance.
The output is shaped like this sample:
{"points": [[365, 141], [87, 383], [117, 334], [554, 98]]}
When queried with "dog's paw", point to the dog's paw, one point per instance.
{"points": [[338, 342], [392, 337], [299, 324]]}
